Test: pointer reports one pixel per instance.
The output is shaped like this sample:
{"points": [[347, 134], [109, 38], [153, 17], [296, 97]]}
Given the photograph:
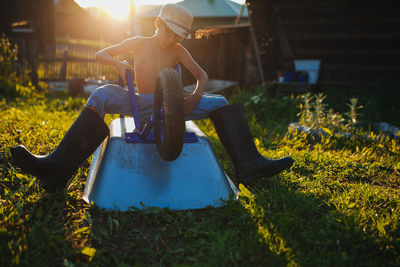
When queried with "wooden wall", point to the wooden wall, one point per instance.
{"points": [[220, 55], [358, 42]]}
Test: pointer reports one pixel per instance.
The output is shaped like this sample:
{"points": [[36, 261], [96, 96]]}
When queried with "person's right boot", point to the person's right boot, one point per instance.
{"points": [[53, 170], [235, 135]]}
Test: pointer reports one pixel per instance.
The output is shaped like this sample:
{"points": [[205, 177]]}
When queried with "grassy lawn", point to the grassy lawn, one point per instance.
{"points": [[338, 205]]}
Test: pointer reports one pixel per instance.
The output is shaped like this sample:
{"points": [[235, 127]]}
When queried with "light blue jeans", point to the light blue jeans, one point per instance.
{"points": [[113, 99]]}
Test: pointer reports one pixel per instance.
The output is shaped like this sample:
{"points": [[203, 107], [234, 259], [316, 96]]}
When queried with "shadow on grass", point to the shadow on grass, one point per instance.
{"points": [[36, 228], [213, 236], [36, 236], [312, 233]]}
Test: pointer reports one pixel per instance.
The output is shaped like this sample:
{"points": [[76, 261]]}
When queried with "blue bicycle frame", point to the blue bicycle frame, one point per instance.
{"points": [[146, 135]]}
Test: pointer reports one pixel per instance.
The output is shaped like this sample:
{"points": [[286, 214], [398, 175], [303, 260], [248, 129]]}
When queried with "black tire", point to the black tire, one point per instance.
{"points": [[169, 131]]}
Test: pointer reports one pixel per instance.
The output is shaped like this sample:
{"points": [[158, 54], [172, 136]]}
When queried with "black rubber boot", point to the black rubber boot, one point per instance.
{"points": [[234, 133], [54, 169]]}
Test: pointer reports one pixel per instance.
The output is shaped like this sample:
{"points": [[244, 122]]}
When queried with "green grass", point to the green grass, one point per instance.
{"points": [[338, 205]]}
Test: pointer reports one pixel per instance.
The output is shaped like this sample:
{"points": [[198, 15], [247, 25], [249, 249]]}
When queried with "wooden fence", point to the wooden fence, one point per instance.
{"points": [[74, 61], [221, 56]]}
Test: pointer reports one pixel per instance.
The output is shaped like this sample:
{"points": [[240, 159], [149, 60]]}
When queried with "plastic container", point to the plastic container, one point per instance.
{"points": [[311, 66], [280, 77], [302, 76], [289, 76]]}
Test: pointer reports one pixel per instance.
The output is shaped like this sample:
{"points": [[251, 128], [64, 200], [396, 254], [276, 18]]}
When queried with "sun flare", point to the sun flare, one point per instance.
{"points": [[119, 9]]}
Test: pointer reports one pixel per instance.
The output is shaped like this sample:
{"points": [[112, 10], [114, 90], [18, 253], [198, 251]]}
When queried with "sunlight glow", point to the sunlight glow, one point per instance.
{"points": [[119, 9]]}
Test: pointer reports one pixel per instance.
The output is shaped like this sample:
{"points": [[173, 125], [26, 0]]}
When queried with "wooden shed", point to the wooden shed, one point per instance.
{"points": [[224, 53], [29, 24], [357, 42], [30, 21]]}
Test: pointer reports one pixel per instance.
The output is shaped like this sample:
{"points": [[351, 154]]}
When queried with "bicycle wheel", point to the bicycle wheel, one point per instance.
{"points": [[169, 124]]}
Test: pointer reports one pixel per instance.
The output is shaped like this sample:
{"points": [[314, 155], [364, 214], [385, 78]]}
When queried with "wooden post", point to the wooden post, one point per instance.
{"points": [[63, 69], [240, 14], [258, 58], [33, 59]]}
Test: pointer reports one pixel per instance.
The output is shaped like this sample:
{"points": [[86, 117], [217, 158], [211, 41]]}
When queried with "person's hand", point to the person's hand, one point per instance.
{"points": [[122, 67], [191, 101]]}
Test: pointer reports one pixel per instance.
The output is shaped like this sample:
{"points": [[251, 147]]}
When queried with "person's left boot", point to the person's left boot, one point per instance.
{"points": [[53, 170], [234, 133]]}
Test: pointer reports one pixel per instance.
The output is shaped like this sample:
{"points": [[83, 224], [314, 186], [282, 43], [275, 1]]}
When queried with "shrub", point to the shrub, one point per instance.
{"points": [[314, 113], [13, 80], [8, 58]]}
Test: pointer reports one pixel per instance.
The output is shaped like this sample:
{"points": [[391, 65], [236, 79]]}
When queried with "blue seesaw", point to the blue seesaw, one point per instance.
{"points": [[128, 170]]}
